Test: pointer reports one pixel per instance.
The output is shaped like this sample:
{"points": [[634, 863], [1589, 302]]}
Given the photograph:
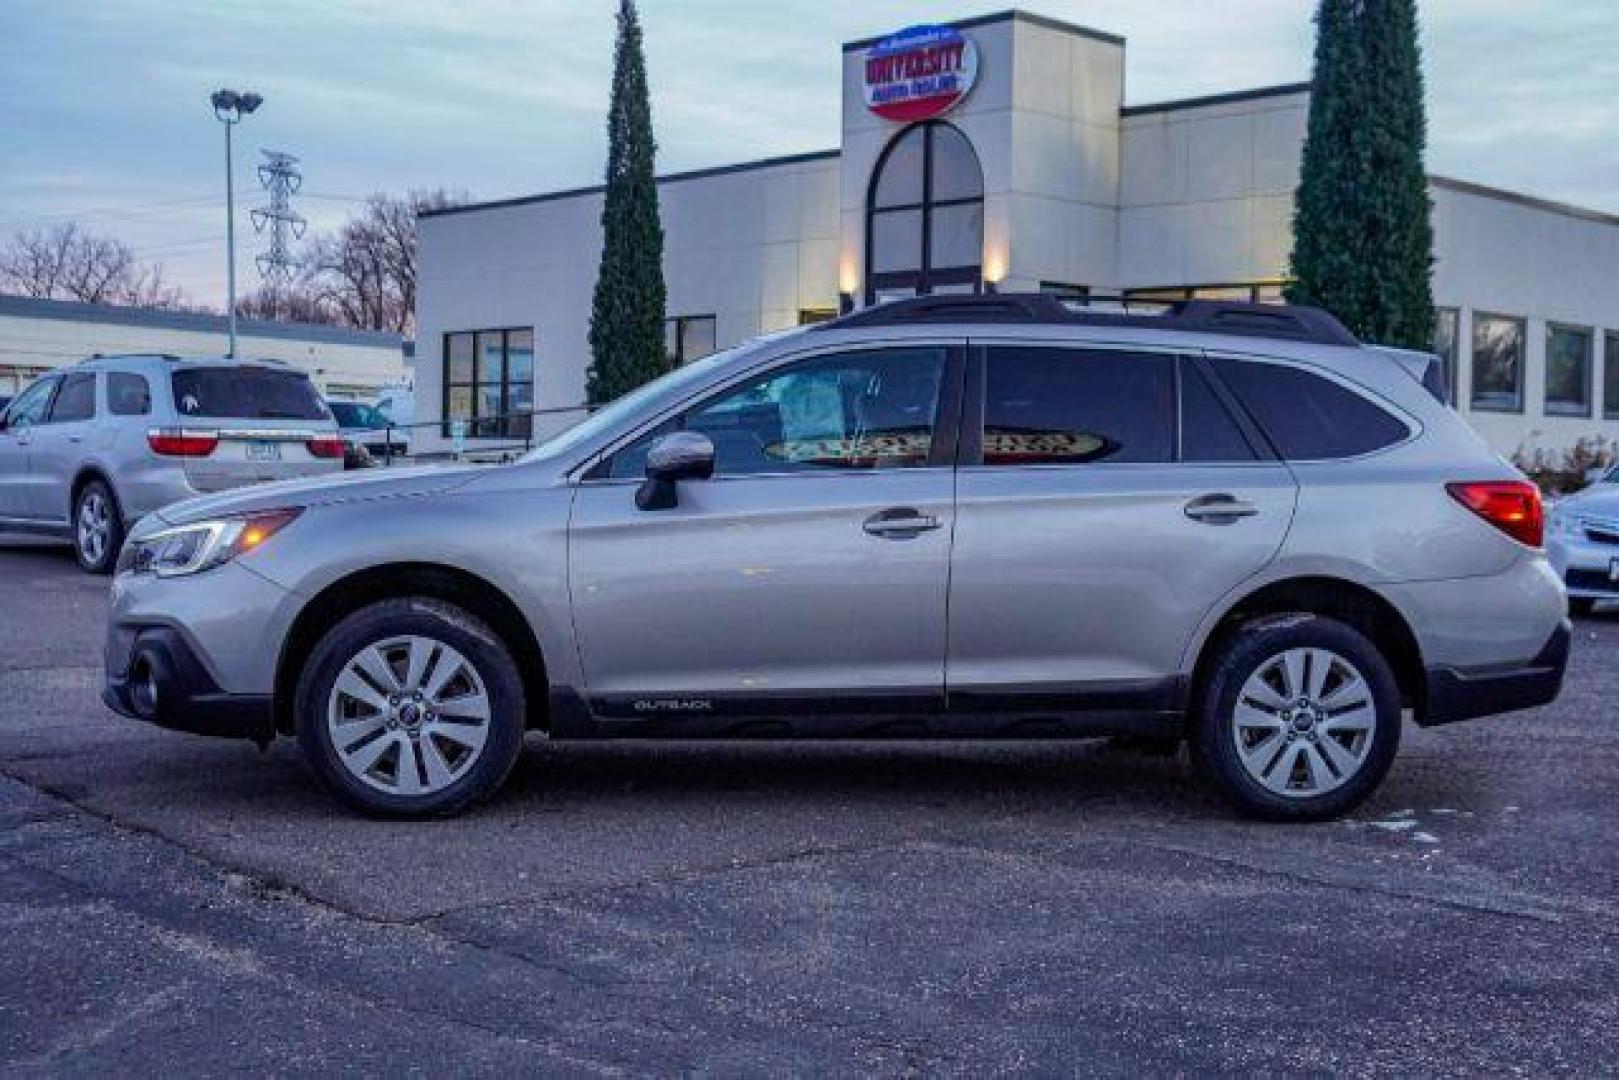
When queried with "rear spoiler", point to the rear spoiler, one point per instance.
{"points": [[1425, 368]]}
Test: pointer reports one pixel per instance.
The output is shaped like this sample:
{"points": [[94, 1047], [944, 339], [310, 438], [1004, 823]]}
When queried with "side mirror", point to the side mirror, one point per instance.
{"points": [[679, 455]]}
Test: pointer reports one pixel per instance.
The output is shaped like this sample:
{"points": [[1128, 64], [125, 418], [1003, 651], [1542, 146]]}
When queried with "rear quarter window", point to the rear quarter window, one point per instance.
{"points": [[248, 393], [1307, 417]]}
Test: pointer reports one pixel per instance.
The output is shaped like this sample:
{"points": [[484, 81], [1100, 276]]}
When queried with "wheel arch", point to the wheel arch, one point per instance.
{"points": [[87, 472], [1357, 605], [395, 580]]}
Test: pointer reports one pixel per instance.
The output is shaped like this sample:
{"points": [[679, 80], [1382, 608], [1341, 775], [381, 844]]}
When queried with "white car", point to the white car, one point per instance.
{"points": [[1583, 543]]}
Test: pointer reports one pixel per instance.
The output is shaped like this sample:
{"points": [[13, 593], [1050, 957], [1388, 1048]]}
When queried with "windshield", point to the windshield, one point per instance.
{"points": [[352, 414], [643, 400], [247, 392]]}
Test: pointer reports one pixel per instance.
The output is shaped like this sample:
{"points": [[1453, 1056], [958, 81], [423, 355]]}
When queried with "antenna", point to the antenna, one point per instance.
{"points": [[281, 179]]}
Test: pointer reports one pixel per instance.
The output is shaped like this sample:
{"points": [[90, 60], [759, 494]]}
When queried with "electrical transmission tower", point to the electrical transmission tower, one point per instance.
{"points": [[281, 179]]}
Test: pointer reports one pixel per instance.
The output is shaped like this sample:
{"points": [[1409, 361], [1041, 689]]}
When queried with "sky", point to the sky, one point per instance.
{"points": [[104, 115]]}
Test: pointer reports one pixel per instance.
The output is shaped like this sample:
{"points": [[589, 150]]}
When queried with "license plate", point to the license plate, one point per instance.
{"points": [[263, 450]]}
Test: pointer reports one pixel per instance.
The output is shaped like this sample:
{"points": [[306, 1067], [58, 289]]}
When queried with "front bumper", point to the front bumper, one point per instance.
{"points": [[160, 680], [1585, 565], [1464, 694]]}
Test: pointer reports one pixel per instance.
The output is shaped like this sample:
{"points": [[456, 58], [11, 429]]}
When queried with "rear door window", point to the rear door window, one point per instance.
{"points": [[75, 401], [128, 394], [1308, 417], [1060, 406], [1209, 433], [246, 393]]}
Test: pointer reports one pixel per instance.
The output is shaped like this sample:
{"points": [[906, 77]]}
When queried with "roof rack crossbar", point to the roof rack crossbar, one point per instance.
{"points": [[1284, 321]]}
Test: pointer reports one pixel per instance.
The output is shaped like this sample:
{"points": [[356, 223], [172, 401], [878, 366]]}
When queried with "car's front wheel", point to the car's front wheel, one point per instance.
{"points": [[1299, 718], [411, 708], [98, 528]]}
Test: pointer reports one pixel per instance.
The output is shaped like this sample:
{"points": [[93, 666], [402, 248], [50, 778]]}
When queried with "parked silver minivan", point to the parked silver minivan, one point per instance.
{"points": [[991, 516], [88, 450]]}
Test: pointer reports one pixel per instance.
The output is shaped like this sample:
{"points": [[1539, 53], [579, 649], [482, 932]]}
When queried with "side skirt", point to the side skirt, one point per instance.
{"points": [[1153, 709], [35, 527]]}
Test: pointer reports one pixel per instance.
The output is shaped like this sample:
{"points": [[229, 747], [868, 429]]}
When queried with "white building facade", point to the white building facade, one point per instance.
{"points": [[998, 153], [38, 335]]}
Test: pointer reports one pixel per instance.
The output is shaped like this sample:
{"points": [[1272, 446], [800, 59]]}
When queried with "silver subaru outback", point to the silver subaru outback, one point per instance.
{"points": [[88, 450], [947, 517]]}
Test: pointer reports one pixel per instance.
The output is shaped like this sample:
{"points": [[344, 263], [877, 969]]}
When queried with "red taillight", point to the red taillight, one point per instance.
{"points": [[326, 447], [1513, 506], [179, 442]]}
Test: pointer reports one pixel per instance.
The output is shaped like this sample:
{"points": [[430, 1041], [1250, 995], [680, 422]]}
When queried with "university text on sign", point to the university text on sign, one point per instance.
{"points": [[920, 72]]}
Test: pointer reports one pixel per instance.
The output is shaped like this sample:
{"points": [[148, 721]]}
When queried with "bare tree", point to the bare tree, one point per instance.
{"points": [[365, 272], [295, 302], [69, 262]]}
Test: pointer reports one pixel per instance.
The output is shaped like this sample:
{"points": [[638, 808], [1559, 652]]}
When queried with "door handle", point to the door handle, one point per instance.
{"points": [[900, 523], [1218, 509]]}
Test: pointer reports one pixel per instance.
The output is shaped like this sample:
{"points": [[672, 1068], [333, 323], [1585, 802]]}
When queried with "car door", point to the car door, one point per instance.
{"points": [[1107, 499], [16, 448], [808, 576], [59, 445]]}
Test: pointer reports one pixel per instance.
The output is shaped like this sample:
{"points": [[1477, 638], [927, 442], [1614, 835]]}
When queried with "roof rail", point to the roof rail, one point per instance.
{"points": [[93, 357], [1285, 321]]}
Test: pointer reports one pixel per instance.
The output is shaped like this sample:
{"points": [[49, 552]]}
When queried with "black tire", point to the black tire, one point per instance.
{"points": [[444, 623], [98, 493], [1581, 606], [1243, 653]]}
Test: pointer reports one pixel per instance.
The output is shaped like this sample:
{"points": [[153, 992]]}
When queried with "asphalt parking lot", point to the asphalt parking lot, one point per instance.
{"points": [[174, 903]]}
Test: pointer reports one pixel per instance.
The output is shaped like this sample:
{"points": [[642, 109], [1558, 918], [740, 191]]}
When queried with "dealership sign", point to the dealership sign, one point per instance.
{"points": [[920, 72]]}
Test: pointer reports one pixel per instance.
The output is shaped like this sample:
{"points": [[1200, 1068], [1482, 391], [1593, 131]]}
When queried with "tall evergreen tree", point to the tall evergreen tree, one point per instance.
{"points": [[626, 319], [1362, 235]]}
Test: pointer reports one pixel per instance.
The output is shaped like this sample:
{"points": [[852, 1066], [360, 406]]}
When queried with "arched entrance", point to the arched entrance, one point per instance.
{"points": [[925, 216]]}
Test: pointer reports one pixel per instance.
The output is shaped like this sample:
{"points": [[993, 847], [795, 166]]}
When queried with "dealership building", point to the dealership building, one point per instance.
{"points": [[999, 153], [37, 335]]}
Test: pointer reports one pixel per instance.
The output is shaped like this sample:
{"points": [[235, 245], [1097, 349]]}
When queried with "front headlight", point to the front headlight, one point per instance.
{"points": [[202, 545]]}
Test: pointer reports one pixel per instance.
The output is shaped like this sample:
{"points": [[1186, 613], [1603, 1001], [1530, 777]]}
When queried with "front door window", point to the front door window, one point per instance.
{"points": [[871, 409]]}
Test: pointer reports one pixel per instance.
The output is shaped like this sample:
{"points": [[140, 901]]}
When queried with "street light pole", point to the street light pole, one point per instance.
{"points": [[229, 108]]}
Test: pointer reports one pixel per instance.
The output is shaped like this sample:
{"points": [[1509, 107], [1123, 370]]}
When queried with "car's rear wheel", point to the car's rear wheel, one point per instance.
{"points": [[1298, 719], [1581, 606], [98, 528], [411, 708]]}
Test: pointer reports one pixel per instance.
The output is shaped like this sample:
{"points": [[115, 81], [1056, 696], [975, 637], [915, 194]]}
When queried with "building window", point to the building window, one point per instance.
{"points": [[1251, 292], [1497, 363], [687, 338], [489, 383], [1610, 375], [810, 316], [1446, 336], [1064, 291], [925, 216], [1568, 371]]}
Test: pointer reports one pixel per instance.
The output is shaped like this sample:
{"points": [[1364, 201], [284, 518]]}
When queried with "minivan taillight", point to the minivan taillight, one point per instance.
{"points": [[182, 442], [332, 447], [1513, 506]]}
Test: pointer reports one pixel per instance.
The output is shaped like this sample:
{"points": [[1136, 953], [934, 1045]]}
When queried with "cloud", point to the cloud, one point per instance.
{"points": [[106, 103]]}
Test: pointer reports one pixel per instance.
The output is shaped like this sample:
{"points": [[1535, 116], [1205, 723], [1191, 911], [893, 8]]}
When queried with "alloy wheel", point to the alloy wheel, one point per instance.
{"points": [[408, 715], [1304, 722], [94, 527]]}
